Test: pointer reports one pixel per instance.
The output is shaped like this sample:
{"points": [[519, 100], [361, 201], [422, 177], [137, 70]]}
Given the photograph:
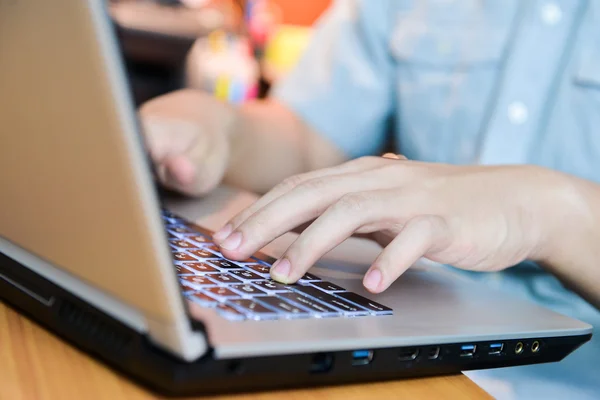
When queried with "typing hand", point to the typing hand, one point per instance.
{"points": [[476, 218], [187, 133]]}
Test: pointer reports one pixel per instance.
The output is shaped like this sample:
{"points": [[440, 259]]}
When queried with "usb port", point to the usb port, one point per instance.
{"points": [[496, 349], [362, 357], [321, 363], [467, 350], [433, 353], [408, 354]]}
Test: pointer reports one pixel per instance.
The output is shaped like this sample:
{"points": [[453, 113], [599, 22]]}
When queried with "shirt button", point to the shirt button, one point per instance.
{"points": [[517, 113], [551, 13]]}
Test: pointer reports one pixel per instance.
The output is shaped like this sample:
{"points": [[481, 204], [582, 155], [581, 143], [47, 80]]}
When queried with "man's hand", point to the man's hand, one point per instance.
{"points": [[475, 218], [188, 137]]}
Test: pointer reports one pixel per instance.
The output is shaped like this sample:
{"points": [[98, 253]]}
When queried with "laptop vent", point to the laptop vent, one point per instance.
{"points": [[91, 326]]}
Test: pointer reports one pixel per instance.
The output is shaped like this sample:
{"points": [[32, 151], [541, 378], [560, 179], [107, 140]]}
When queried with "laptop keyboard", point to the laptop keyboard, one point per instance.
{"points": [[243, 290]]}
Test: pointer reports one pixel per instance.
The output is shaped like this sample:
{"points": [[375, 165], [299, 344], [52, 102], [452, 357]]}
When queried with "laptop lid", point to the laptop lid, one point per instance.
{"points": [[78, 202]]}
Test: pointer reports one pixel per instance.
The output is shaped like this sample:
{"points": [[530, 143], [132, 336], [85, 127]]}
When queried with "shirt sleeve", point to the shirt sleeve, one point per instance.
{"points": [[343, 85]]}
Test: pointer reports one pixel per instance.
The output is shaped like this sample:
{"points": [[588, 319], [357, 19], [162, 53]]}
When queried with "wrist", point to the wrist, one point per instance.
{"points": [[567, 219]]}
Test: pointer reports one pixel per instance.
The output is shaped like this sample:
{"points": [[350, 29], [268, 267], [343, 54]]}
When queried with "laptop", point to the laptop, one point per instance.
{"points": [[88, 252]]}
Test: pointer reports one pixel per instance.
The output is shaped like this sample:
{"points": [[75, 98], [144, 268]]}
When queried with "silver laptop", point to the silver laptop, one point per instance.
{"points": [[87, 251]]}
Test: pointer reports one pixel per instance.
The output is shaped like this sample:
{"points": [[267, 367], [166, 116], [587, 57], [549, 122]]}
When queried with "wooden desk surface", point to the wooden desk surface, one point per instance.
{"points": [[37, 365]]}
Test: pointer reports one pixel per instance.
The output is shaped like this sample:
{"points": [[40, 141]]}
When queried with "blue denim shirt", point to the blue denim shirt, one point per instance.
{"points": [[462, 82]]}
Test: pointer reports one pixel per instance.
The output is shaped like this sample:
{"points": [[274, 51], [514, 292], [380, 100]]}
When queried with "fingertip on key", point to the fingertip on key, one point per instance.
{"points": [[372, 280], [223, 233], [281, 270], [232, 242]]}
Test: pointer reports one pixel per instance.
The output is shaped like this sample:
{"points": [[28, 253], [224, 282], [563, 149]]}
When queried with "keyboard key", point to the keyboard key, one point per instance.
{"points": [[283, 306], [271, 286], [309, 303], [253, 309], [198, 239], [258, 268], [342, 304], [247, 275], [221, 263], [182, 244], [309, 278], [202, 299], [224, 278], [180, 229], [221, 293], [200, 267], [178, 256], [181, 270], [201, 253], [196, 282], [229, 312], [248, 289], [370, 305], [328, 286]]}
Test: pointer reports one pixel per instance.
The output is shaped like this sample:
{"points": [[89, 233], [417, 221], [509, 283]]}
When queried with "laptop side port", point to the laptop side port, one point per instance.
{"points": [[535, 346], [519, 348], [362, 357], [468, 350], [495, 349], [408, 354], [433, 353], [321, 363]]}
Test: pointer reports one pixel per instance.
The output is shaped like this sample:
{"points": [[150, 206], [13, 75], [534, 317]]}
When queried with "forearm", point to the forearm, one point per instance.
{"points": [[573, 253], [269, 143]]}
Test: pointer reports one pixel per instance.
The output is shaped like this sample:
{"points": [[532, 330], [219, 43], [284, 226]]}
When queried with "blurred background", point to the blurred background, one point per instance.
{"points": [[234, 49]]}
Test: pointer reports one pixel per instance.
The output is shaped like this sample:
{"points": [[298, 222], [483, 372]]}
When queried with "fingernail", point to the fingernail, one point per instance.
{"points": [[233, 241], [372, 280], [281, 269], [223, 233]]}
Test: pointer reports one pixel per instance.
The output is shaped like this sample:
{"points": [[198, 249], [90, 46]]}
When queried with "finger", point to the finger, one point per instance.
{"points": [[187, 159], [334, 226], [159, 137], [174, 169], [180, 171], [171, 176], [420, 235], [302, 204], [361, 164]]}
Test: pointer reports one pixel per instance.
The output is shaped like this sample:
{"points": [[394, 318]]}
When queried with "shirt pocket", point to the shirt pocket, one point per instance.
{"points": [[447, 67], [430, 39]]}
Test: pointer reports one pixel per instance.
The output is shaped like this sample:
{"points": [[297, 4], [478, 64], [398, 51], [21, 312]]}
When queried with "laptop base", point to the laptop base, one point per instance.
{"points": [[131, 353]]}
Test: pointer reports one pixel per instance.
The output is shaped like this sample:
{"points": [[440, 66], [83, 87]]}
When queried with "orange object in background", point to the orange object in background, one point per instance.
{"points": [[301, 12], [288, 41]]}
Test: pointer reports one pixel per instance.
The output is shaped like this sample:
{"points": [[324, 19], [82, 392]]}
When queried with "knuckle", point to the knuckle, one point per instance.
{"points": [[291, 182], [353, 203], [314, 185], [427, 222], [430, 225]]}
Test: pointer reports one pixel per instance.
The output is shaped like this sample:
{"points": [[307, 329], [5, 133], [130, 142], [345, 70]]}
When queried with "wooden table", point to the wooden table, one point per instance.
{"points": [[36, 365]]}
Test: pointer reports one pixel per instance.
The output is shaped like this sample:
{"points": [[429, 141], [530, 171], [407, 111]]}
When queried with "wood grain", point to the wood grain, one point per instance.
{"points": [[36, 365]]}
